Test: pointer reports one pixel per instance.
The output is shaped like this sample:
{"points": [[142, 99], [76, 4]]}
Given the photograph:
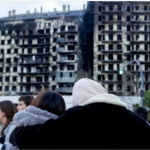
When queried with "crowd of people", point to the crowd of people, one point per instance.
{"points": [[97, 119]]}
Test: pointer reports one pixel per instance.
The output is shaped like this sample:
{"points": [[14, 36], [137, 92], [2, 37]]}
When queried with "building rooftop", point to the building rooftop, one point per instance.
{"points": [[47, 15]]}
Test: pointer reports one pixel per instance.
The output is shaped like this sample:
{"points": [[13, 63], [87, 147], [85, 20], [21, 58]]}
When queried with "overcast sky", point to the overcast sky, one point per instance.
{"points": [[21, 7]]}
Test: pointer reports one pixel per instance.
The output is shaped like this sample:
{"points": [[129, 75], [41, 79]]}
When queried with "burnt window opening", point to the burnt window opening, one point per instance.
{"points": [[71, 28], [100, 8], [29, 51], [54, 58], [110, 67], [40, 41], [111, 8], [110, 17], [70, 74], [101, 27], [61, 74], [13, 88], [71, 57], [119, 37], [119, 17], [99, 18], [54, 49], [16, 41], [128, 8], [145, 28], [128, 47], [110, 46], [119, 57], [136, 7], [62, 67], [128, 18], [8, 51], [30, 32], [128, 88], [145, 8], [110, 27], [128, 58], [99, 57], [14, 79], [47, 31], [145, 17], [110, 87], [1, 69], [1, 79], [7, 79], [111, 37], [54, 68], [15, 51], [99, 67], [2, 51], [3, 33], [62, 36], [119, 27], [54, 39], [8, 60], [14, 69], [55, 30], [71, 37], [101, 47], [128, 28], [110, 57], [99, 77], [119, 7], [47, 49], [119, 87], [41, 31], [62, 28], [146, 47], [70, 67], [47, 40], [2, 42], [128, 38], [119, 77], [110, 77], [71, 47], [145, 37], [9, 42], [119, 47], [7, 69], [6, 88]]}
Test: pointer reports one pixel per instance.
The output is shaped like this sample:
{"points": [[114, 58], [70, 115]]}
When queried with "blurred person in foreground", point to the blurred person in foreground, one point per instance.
{"points": [[97, 120]]}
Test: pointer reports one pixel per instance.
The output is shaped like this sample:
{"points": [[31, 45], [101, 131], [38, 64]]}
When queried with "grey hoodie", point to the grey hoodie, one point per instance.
{"points": [[31, 116]]}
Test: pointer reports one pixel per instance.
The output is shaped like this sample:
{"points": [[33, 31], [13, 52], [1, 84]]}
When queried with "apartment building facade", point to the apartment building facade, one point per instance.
{"points": [[121, 34], [39, 51]]}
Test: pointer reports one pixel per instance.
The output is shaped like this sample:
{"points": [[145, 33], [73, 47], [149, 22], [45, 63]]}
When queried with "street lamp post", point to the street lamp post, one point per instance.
{"points": [[121, 71]]}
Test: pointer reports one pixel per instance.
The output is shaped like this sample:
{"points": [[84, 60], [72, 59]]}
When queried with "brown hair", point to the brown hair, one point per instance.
{"points": [[27, 99], [51, 101], [148, 116], [9, 109]]}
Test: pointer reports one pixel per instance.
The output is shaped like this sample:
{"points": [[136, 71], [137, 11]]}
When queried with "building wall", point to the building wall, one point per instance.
{"points": [[38, 54], [121, 34]]}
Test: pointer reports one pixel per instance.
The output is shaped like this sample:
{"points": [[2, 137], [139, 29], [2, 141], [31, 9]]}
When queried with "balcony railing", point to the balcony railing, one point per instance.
{"points": [[66, 40], [64, 89], [62, 50], [64, 79]]}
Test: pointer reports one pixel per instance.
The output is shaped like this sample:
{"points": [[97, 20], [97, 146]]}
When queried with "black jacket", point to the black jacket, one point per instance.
{"points": [[96, 125]]}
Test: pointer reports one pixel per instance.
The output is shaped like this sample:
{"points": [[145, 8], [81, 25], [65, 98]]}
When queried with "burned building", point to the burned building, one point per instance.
{"points": [[121, 34], [40, 51]]}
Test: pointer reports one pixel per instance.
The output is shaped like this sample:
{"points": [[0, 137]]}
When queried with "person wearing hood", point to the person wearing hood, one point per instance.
{"points": [[97, 120]]}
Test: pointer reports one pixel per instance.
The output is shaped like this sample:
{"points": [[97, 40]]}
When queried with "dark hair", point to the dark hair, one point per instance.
{"points": [[9, 109], [27, 99], [51, 101], [142, 112]]}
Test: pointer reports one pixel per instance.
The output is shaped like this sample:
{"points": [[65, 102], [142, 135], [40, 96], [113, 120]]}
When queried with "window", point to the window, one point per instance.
{"points": [[101, 47], [145, 8], [99, 8], [99, 57], [6, 88], [119, 7], [128, 38], [128, 27], [1, 79], [110, 57], [110, 27], [15, 69], [0, 88], [55, 30], [110, 87], [110, 17], [54, 58], [9, 42], [111, 37], [145, 17], [7, 69], [99, 67], [145, 27], [2, 42], [71, 28], [13, 88], [8, 51], [54, 39], [128, 8], [111, 67], [70, 74], [128, 18], [110, 8], [119, 57], [8, 60], [110, 77], [101, 27], [14, 79], [29, 51], [16, 41], [119, 17], [119, 47], [47, 31], [62, 28], [110, 47], [2, 51], [15, 51], [119, 37], [103, 7], [119, 27]]}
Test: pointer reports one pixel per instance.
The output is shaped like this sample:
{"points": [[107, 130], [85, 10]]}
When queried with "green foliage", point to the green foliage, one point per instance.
{"points": [[135, 105], [147, 99]]}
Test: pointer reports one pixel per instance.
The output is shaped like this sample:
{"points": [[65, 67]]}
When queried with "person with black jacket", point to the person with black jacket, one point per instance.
{"points": [[97, 120]]}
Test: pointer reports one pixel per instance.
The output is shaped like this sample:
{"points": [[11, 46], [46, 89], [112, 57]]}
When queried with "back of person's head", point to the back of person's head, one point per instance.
{"points": [[8, 108], [148, 116], [27, 99], [50, 101], [142, 112]]}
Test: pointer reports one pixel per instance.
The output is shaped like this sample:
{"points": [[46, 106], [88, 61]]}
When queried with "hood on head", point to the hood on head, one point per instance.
{"points": [[84, 89]]}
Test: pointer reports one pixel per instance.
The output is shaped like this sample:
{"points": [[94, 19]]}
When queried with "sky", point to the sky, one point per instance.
{"points": [[21, 7]]}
